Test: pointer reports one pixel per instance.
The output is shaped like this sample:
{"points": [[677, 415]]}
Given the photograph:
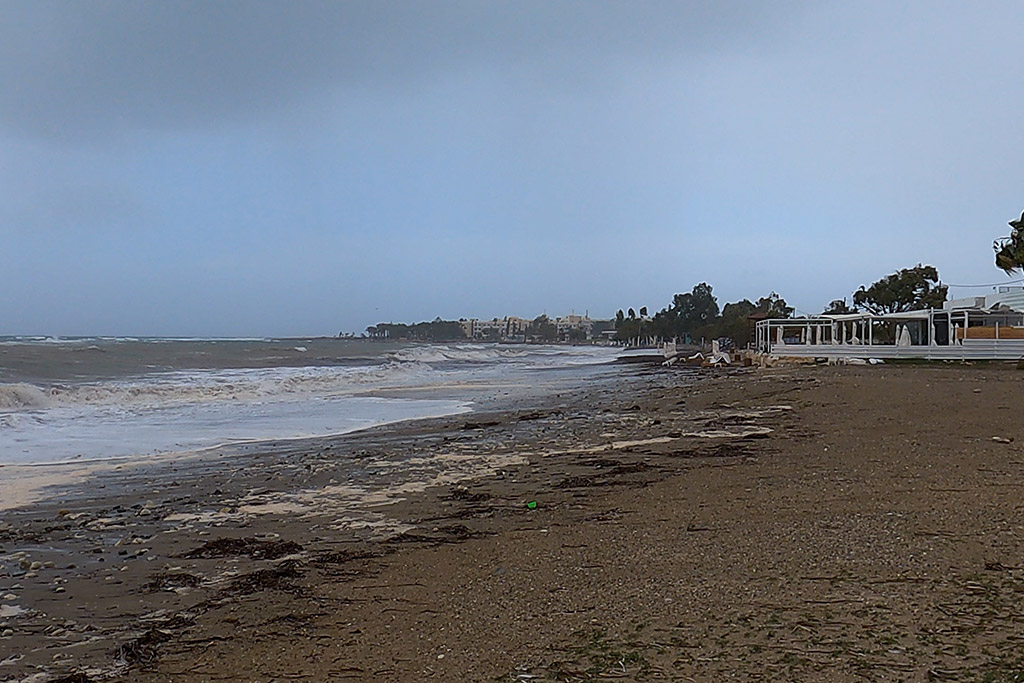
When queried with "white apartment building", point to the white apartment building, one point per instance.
{"points": [[509, 326], [569, 323]]}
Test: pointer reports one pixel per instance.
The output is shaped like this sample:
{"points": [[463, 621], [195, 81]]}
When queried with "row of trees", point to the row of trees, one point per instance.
{"points": [[435, 330], [541, 329], [695, 315], [909, 289]]}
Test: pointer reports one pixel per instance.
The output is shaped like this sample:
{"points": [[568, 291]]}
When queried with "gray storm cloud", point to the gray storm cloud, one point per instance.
{"points": [[292, 167], [70, 70]]}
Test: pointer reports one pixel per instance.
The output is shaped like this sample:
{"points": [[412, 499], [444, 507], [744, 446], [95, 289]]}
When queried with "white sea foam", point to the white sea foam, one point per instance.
{"points": [[414, 366], [204, 386], [90, 434], [18, 397], [467, 353], [539, 356], [68, 341], [189, 409]]}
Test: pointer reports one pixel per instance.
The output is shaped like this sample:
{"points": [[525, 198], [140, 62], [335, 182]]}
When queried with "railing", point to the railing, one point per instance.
{"points": [[970, 349]]}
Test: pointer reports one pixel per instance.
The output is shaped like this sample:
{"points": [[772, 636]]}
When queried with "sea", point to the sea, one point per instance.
{"points": [[91, 398]]}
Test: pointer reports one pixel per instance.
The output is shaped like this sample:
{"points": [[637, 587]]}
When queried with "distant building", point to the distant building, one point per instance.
{"points": [[578, 326], [505, 328], [1004, 297], [517, 326]]}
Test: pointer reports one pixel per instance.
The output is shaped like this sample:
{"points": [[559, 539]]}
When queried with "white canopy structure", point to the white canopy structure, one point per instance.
{"points": [[958, 334]]}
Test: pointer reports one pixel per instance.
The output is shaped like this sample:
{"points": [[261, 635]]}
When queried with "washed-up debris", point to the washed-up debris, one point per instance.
{"points": [[998, 567], [74, 677], [448, 533], [251, 547], [8, 611], [278, 578], [463, 493], [170, 581], [344, 556], [575, 482], [480, 425], [142, 651]]}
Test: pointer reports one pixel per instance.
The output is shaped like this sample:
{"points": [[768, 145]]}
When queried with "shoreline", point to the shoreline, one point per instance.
{"points": [[25, 482], [104, 512], [30, 490], [811, 523], [185, 411]]}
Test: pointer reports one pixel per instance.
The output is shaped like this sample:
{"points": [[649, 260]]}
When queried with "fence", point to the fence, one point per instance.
{"points": [[970, 349]]}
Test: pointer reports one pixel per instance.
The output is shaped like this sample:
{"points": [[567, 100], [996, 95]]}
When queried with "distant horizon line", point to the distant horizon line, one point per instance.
{"points": [[37, 336]]}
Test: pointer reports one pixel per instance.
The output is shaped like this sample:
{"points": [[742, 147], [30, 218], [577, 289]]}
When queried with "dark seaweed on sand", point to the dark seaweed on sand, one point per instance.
{"points": [[251, 547], [142, 651], [169, 581], [278, 578]]}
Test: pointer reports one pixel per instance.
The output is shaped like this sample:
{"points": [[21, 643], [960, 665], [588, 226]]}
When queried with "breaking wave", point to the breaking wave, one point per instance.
{"points": [[248, 385], [15, 397], [530, 356], [416, 366], [457, 353], [137, 400]]}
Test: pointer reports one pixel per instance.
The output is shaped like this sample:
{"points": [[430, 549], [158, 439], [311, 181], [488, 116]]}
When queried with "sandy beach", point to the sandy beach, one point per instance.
{"points": [[803, 523]]}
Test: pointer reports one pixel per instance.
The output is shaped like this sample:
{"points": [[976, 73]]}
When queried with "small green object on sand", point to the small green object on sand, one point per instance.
{"points": [[532, 505]]}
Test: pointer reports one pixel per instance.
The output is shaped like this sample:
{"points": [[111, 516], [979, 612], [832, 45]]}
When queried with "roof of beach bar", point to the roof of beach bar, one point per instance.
{"points": [[922, 314], [843, 317]]}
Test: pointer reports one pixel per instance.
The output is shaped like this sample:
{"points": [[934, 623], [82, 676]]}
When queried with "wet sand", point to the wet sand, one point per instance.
{"points": [[811, 523]]}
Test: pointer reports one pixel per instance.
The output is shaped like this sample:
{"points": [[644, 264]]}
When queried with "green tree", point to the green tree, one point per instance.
{"points": [[664, 324], [601, 326], [696, 309], [435, 330], [543, 329], [575, 334], [629, 329], [1010, 250], [631, 325], [909, 289], [774, 306], [689, 314], [838, 307], [735, 322]]}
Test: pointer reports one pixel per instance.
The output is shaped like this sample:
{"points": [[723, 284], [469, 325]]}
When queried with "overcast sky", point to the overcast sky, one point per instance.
{"points": [[277, 168]]}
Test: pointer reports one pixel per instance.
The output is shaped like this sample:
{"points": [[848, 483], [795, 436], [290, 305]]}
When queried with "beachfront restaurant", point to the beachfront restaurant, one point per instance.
{"points": [[954, 333]]}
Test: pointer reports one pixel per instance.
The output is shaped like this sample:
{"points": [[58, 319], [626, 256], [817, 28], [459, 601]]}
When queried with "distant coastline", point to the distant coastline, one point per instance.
{"points": [[570, 328]]}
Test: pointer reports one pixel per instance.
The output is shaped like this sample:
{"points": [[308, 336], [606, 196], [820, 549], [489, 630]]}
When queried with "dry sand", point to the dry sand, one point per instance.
{"points": [[813, 523]]}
